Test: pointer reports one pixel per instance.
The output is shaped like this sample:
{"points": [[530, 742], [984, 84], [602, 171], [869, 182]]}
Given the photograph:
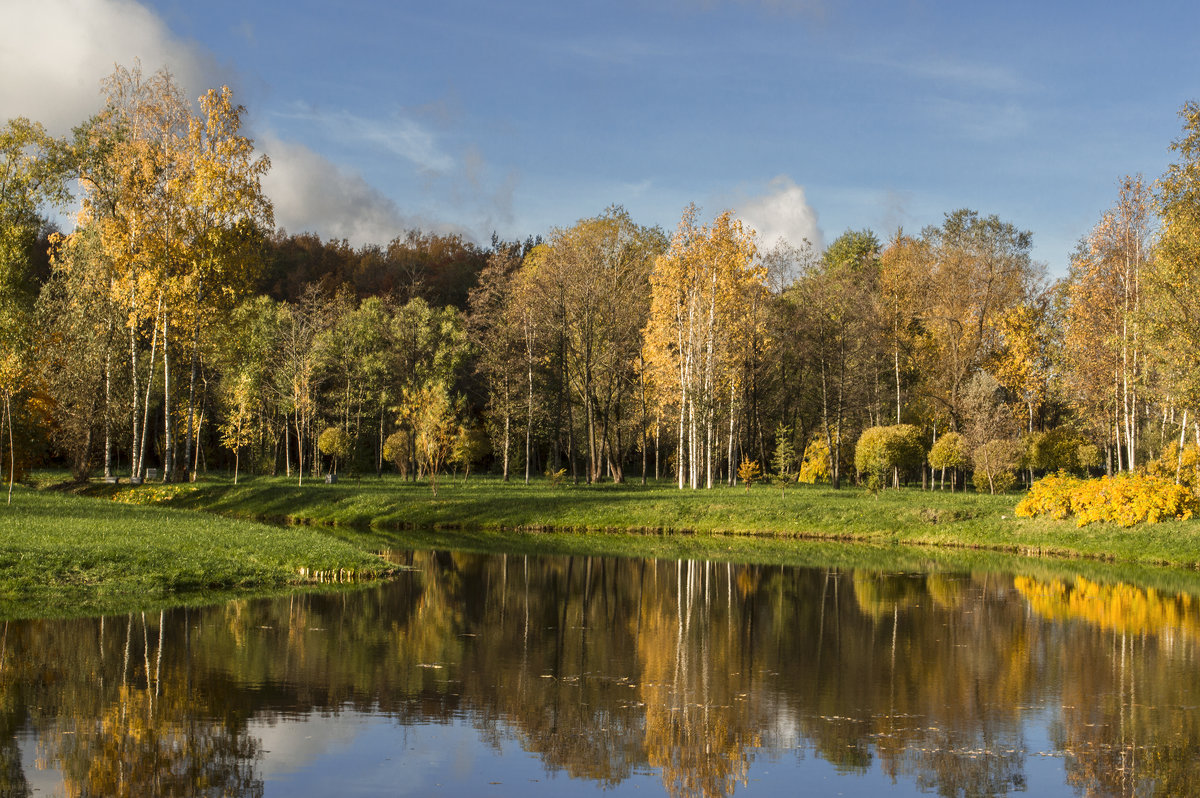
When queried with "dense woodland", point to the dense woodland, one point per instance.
{"points": [[174, 328]]}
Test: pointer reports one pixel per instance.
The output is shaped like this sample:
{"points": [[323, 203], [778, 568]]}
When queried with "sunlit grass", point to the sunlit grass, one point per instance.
{"points": [[64, 553], [909, 516]]}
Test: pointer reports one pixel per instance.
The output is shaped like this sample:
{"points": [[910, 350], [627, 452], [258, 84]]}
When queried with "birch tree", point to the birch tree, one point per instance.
{"points": [[1104, 319], [1172, 308], [701, 292]]}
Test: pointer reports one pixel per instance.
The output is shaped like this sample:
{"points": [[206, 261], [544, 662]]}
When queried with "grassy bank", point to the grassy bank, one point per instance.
{"points": [[135, 548], [67, 555], [909, 517]]}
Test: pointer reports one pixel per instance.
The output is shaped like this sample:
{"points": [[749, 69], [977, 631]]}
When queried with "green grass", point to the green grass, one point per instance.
{"points": [[908, 517], [64, 554], [68, 555]]}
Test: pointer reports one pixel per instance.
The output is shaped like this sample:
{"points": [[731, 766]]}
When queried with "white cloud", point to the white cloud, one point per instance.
{"points": [[54, 53], [782, 212], [313, 194]]}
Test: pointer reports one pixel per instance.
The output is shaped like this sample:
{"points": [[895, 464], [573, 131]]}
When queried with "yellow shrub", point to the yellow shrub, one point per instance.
{"points": [[1125, 499], [1050, 496], [815, 467]]}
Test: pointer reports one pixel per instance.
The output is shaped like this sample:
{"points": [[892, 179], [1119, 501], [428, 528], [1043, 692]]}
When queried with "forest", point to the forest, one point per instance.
{"points": [[175, 331]]}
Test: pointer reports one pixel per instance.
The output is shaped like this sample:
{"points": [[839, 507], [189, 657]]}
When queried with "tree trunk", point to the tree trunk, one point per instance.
{"points": [[133, 376], [168, 420], [1182, 438], [529, 397], [732, 403], [140, 469], [191, 405], [108, 404]]}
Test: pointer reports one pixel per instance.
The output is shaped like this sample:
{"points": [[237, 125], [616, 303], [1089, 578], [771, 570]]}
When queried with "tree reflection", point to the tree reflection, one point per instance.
{"points": [[1128, 725], [605, 668]]}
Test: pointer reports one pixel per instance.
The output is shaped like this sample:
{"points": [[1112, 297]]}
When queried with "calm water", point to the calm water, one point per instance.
{"points": [[492, 675]]}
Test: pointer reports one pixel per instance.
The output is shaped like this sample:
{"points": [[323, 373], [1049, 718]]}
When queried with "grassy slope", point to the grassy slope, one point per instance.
{"points": [[63, 554], [896, 517]]}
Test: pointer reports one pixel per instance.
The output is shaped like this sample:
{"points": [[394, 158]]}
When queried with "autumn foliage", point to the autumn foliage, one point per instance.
{"points": [[1124, 499]]}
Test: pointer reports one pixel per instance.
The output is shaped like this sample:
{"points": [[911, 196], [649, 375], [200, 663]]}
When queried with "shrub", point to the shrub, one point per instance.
{"points": [[884, 451], [398, 450], [1049, 496], [1187, 466], [815, 466], [1060, 449], [994, 462], [1125, 499], [335, 443], [749, 472], [950, 451]]}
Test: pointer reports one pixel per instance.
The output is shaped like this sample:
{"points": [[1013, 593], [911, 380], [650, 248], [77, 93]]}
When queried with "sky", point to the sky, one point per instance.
{"points": [[806, 117]]}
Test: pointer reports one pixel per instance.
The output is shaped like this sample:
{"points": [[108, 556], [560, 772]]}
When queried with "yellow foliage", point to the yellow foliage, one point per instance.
{"points": [[1188, 465], [1117, 607], [815, 467], [749, 472], [1125, 500]]}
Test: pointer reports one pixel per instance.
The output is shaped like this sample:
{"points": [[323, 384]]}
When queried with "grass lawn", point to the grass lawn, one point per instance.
{"points": [[120, 548], [69, 555], [909, 516]]}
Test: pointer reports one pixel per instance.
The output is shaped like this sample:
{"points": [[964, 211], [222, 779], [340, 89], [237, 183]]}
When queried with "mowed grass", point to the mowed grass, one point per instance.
{"points": [[909, 516], [62, 554], [121, 548]]}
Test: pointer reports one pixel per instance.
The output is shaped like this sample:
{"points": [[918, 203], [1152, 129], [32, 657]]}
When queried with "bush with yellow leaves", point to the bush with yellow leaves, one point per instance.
{"points": [[1125, 499]]}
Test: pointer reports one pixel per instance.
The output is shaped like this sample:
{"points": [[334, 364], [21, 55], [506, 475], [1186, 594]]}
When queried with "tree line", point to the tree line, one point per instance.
{"points": [[174, 328]]}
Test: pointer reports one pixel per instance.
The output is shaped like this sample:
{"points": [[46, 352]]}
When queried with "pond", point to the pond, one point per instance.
{"points": [[489, 674]]}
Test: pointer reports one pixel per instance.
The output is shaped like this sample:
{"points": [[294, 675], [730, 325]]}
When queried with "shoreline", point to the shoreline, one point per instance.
{"points": [[72, 550]]}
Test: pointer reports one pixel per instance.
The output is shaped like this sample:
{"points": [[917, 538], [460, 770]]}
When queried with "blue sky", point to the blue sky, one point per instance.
{"points": [[807, 117]]}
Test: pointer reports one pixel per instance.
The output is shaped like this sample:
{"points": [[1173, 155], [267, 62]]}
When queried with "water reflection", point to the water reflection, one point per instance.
{"points": [[610, 670]]}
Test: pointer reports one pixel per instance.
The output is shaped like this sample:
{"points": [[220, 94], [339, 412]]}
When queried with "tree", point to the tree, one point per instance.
{"points": [[1029, 346], [31, 176], [235, 430], [902, 300], [500, 326], [226, 216], [837, 297], [470, 444], [749, 472], [590, 284], [133, 173], [949, 452], [883, 452], [1172, 307], [78, 333], [990, 437], [295, 370], [432, 416], [177, 203], [785, 456], [334, 443], [981, 268], [702, 290], [1104, 319], [399, 451]]}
